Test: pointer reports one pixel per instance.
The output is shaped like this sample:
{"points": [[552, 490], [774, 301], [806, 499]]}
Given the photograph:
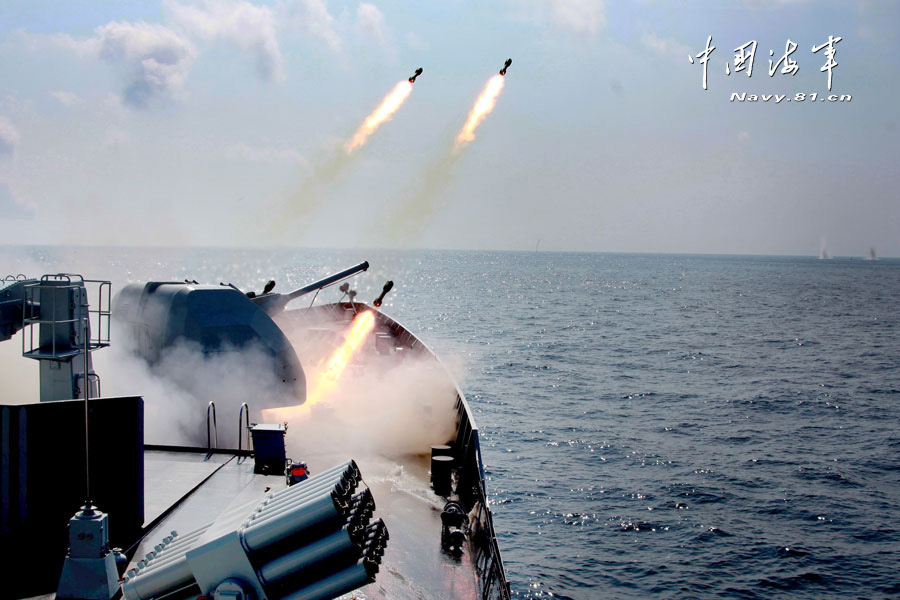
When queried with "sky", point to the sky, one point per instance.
{"points": [[225, 123]]}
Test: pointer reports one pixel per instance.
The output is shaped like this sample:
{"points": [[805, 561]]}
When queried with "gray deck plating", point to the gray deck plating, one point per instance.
{"points": [[173, 476], [414, 566]]}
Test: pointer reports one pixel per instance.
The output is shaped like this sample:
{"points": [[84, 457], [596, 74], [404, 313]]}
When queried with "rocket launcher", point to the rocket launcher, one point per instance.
{"points": [[310, 541]]}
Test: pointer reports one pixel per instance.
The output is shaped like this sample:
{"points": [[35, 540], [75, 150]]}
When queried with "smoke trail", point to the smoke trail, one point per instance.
{"points": [[391, 103], [409, 220], [483, 106], [304, 202]]}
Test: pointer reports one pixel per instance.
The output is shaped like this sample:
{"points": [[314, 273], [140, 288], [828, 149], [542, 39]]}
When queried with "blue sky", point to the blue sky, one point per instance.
{"points": [[220, 122]]}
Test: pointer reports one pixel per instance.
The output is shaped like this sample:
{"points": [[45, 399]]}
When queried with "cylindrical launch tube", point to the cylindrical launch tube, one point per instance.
{"points": [[147, 584], [165, 559], [350, 467], [343, 581], [345, 474], [315, 512], [177, 547], [288, 506], [310, 556], [341, 482]]}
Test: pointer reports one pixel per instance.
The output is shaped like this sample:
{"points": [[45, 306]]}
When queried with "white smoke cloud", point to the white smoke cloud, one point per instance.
{"points": [[66, 98], [580, 16], [383, 405], [177, 388], [311, 16], [116, 137], [10, 208], [392, 409], [240, 23], [154, 58], [9, 136], [371, 22], [665, 46], [246, 152]]}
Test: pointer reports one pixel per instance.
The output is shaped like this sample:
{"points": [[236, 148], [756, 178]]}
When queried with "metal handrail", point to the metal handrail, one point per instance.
{"points": [[488, 562], [245, 413], [215, 436], [32, 316]]}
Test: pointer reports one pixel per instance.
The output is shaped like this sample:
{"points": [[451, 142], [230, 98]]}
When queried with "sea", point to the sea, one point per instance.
{"points": [[652, 426]]}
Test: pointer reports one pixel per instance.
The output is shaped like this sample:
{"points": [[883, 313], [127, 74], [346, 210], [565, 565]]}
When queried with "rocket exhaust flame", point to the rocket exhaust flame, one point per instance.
{"points": [[384, 112], [483, 106], [327, 380]]}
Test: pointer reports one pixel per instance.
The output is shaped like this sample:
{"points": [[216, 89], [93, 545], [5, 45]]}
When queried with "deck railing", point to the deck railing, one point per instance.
{"points": [[473, 492]]}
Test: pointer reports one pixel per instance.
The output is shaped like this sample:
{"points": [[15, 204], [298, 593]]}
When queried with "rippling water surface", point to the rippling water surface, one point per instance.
{"points": [[652, 426]]}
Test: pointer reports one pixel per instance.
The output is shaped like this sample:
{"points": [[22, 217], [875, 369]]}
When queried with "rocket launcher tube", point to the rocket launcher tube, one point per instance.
{"points": [[343, 491], [341, 481], [267, 513], [174, 552], [176, 549], [316, 512], [311, 556], [345, 580], [349, 469], [280, 511], [147, 584], [177, 544], [164, 559], [342, 488]]}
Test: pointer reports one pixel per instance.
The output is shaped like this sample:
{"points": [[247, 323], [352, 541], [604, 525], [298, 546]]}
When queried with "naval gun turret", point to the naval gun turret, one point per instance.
{"points": [[160, 315]]}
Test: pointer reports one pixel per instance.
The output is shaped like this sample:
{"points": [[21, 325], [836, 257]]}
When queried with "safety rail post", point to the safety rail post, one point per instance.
{"points": [[214, 443], [243, 421]]}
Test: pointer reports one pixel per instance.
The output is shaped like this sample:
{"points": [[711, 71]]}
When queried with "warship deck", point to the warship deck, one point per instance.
{"points": [[185, 490]]}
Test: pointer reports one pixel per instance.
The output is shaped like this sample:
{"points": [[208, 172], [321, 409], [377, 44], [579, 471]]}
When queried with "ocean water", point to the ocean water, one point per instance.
{"points": [[653, 426]]}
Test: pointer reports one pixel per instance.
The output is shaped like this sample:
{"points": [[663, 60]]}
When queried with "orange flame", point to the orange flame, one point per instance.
{"points": [[483, 106], [327, 380], [383, 113]]}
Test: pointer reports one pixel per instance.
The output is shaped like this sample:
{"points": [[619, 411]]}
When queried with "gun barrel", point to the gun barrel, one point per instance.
{"points": [[330, 280], [275, 303]]}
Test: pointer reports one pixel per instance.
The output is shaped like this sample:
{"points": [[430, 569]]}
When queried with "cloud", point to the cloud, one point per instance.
{"points": [[665, 46], [66, 98], [580, 16], [9, 136], [10, 208], [311, 16], [415, 41], [874, 21], [265, 155], [237, 22], [155, 59], [371, 21], [116, 138], [743, 136]]}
